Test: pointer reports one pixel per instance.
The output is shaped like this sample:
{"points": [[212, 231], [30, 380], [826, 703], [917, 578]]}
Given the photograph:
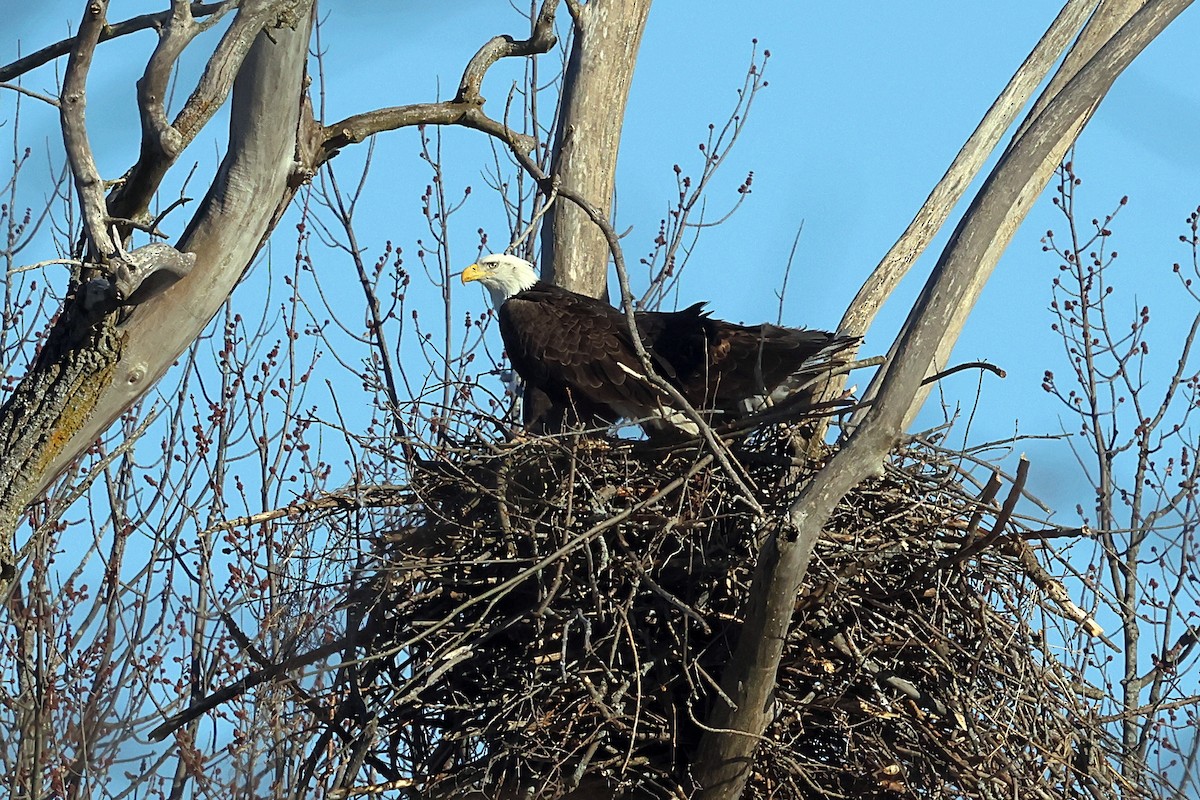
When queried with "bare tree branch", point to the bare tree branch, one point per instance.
{"points": [[359, 127], [29, 93], [228, 228], [951, 292], [466, 109], [541, 40], [252, 187], [132, 25], [73, 102], [966, 165], [163, 142]]}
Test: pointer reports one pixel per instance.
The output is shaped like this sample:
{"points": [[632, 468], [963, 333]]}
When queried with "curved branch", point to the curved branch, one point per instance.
{"points": [[359, 127], [248, 194], [163, 141], [466, 109], [965, 167], [271, 129], [223, 66], [73, 103], [131, 25], [160, 140], [725, 756], [540, 40], [979, 365]]}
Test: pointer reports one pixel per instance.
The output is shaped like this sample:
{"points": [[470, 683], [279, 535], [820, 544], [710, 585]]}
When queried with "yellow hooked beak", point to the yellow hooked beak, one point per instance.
{"points": [[473, 273]]}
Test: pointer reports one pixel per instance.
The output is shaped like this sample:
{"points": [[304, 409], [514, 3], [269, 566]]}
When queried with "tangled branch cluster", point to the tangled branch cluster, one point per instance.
{"points": [[555, 615]]}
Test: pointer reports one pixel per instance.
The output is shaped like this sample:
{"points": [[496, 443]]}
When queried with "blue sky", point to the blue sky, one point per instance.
{"points": [[866, 106]]}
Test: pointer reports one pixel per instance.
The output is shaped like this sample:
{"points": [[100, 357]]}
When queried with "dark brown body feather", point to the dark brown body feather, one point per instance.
{"points": [[719, 365], [570, 349], [579, 365]]}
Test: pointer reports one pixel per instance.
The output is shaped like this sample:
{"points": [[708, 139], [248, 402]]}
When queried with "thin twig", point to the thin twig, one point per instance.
{"points": [[67, 262], [45, 98]]}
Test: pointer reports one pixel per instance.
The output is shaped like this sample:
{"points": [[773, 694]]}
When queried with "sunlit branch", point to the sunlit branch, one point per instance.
{"points": [[466, 109], [88, 182], [108, 32]]}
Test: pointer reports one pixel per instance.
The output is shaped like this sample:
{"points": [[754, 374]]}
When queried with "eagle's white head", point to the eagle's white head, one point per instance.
{"points": [[502, 275]]}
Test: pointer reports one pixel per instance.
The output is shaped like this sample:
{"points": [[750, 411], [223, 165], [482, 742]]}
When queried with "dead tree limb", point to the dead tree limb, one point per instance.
{"points": [[103, 353], [1103, 20], [72, 104], [592, 115], [274, 145], [966, 165], [726, 751], [466, 109], [132, 25]]}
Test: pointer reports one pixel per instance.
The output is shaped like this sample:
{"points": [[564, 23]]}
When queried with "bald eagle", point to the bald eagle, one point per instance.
{"points": [[579, 365]]}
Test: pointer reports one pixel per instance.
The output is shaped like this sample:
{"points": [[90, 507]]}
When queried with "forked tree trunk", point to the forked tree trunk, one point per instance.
{"points": [[95, 366], [727, 750]]}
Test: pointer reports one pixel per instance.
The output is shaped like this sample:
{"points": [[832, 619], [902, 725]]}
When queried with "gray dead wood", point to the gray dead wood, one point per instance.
{"points": [[466, 109], [966, 166], [165, 302], [725, 753], [103, 354], [592, 114]]}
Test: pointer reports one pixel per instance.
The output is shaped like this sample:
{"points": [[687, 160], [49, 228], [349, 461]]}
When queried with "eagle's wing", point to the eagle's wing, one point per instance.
{"points": [[755, 361], [721, 365], [678, 341], [576, 350]]}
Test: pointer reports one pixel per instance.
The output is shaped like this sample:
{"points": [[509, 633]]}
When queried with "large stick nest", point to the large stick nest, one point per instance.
{"points": [[554, 615]]}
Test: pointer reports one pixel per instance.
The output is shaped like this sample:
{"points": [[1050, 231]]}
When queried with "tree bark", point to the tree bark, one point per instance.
{"points": [[253, 186], [726, 751], [965, 167], [1101, 29], [595, 92], [99, 360]]}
